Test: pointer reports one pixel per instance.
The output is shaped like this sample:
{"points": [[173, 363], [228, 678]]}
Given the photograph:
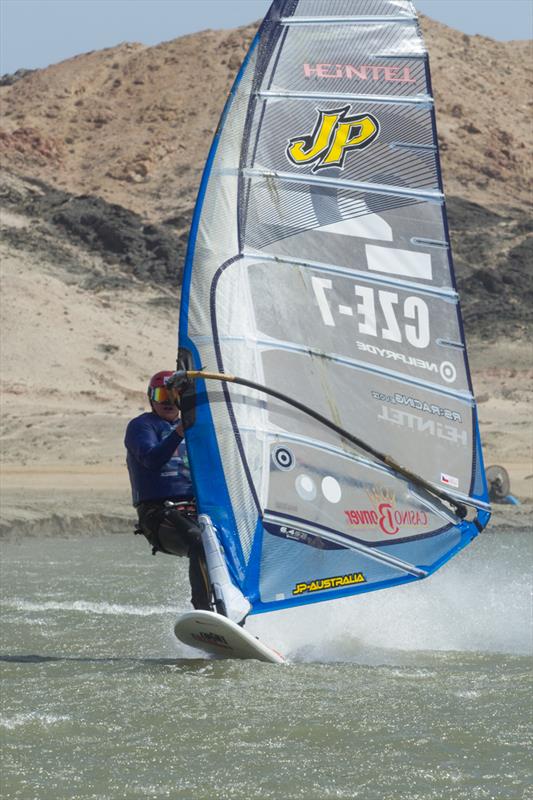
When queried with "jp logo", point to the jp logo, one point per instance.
{"points": [[335, 134]]}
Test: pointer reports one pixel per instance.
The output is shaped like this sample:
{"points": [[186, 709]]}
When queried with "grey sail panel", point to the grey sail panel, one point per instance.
{"points": [[411, 229]]}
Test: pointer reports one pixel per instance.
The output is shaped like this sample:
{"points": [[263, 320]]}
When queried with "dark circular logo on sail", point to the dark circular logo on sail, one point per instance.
{"points": [[283, 458]]}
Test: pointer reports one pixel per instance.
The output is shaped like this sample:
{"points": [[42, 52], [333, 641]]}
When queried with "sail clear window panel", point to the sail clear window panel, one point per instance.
{"points": [[216, 242], [284, 564]]}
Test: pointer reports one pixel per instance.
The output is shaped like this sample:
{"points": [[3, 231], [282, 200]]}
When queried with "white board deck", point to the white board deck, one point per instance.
{"points": [[221, 637]]}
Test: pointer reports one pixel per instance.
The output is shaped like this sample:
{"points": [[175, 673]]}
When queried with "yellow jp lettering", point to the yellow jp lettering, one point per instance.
{"points": [[302, 151], [362, 131], [335, 135]]}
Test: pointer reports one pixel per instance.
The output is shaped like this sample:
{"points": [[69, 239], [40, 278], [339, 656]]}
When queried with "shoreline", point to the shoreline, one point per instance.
{"points": [[100, 510], [65, 512]]}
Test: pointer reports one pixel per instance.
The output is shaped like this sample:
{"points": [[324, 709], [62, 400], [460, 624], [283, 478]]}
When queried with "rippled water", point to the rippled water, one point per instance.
{"points": [[418, 692]]}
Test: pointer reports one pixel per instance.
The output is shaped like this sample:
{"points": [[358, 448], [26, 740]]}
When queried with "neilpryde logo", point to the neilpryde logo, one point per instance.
{"points": [[334, 136], [446, 369]]}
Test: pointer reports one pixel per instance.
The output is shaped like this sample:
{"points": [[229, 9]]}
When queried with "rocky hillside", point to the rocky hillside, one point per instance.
{"points": [[115, 142], [133, 124], [492, 250]]}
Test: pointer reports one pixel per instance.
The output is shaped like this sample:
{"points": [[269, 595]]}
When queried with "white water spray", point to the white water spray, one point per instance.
{"points": [[479, 601]]}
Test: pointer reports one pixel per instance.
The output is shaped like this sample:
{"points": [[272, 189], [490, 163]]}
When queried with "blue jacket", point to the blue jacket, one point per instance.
{"points": [[157, 460]]}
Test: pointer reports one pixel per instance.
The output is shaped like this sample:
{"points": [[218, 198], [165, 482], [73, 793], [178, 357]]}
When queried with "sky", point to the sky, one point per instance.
{"points": [[36, 33]]}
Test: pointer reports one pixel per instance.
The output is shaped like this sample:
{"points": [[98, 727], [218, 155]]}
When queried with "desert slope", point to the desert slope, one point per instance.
{"points": [[80, 336]]}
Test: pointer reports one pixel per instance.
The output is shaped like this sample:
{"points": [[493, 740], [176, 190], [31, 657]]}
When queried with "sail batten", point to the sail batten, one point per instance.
{"points": [[416, 100], [391, 54], [333, 269], [375, 188], [468, 500], [430, 243], [413, 146], [319, 268], [361, 20], [293, 347]]}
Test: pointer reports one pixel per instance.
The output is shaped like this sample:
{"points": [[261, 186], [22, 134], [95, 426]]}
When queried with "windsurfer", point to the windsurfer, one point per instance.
{"points": [[161, 486]]}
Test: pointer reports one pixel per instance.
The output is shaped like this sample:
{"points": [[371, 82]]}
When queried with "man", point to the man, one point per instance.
{"points": [[159, 472]]}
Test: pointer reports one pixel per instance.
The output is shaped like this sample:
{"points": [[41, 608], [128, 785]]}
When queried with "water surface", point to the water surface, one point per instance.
{"points": [[418, 692]]}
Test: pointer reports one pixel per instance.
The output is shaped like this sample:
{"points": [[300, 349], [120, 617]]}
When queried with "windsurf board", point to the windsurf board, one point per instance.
{"points": [[219, 636]]}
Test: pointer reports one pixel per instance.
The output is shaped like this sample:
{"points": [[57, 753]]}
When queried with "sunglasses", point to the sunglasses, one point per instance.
{"points": [[158, 394]]}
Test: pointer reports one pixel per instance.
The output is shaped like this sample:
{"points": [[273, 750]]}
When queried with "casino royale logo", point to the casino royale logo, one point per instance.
{"points": [[385, 516], [334, 136]]}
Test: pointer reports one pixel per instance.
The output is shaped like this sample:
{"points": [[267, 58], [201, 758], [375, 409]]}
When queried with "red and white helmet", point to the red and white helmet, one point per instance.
{"points": [[157, 391]]}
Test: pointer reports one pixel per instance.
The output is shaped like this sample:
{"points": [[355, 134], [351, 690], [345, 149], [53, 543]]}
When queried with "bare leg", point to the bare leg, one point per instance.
{"points": [[198, 577]]}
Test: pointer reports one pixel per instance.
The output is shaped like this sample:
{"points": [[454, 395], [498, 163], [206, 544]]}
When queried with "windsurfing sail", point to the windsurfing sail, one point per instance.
{"points": [[319, 266]]}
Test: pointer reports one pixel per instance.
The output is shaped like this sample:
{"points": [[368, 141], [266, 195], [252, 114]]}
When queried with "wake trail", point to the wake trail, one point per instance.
{"points": [[88, 607]]}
